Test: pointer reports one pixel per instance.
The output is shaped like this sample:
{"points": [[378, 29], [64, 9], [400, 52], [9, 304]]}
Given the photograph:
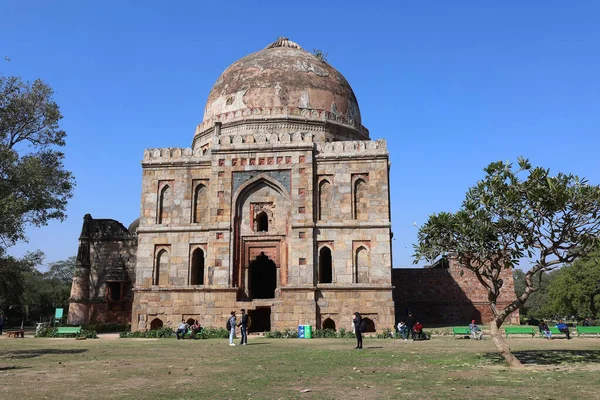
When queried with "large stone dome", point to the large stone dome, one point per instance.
{"points": [[281, 79]]}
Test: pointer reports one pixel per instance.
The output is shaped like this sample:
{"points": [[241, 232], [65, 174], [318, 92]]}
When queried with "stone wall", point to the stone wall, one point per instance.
{"points": [[446, 296]]}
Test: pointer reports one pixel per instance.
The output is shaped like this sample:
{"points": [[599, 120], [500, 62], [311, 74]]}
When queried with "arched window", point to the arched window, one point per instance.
{"points": [[164, 205], [360, 200], [156, 324], [200, 208], [361, 262], [325, 268], [324, 200], [197, 273], [369, 325], [262, 222], [328, 324], [161, 275]]}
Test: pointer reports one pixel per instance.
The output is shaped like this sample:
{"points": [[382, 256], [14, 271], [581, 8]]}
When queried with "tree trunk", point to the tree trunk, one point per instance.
{"points": [[502, 346]]}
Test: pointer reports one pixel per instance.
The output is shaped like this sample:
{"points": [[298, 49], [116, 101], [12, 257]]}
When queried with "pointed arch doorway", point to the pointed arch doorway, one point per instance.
{"points": [[263, 277], [261, 269]]}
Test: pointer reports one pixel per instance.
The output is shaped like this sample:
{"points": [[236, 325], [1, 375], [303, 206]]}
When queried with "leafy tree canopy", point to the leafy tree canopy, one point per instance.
{"points": [[576, 289], [34, 185]]}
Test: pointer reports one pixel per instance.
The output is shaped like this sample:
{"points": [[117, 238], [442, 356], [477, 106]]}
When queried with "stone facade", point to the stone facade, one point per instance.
{"points": [[104, 273]]}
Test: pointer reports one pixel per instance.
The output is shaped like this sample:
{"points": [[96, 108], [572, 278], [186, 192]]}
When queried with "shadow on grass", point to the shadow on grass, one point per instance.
{"points": [[550, 357], [19, 354], [11, 368]]}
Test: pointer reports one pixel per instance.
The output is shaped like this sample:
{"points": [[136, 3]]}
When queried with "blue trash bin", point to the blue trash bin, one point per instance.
{"points": [[300, 331]]}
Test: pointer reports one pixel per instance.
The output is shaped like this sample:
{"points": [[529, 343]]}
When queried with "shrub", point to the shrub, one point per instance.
{"points": [[273, 335], [107, 328], [386, 334], [52, 333], [343, 333], [155, 333], [213, 333], [290, 333], [324, 333]]}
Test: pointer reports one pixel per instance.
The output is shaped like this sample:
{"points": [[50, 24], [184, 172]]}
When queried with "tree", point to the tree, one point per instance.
{"points": [[511, 216], [14, 274], [576, 290], [539, 304], [34, 185]]}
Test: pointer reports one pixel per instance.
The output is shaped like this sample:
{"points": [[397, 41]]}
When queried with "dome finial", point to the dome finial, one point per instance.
{"points": [[284, 42]]}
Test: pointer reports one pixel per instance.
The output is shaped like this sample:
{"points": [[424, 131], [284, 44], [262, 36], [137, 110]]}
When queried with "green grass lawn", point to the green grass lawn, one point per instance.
{"points": [[282, 368]]}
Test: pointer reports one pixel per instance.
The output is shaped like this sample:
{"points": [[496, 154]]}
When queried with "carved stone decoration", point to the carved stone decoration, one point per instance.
{"points": [[319, 138], [285, 138], [225, 140], [249, 139], [338, 147], [198, 153], [176, 153], [297, 137], [261, 139], [187, 152], [237, 139], [273, 139]]}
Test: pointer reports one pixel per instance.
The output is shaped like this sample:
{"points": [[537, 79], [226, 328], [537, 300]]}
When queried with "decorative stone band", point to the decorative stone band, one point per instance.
{"points": [[183, 155], [262, 113], [353, 147]]}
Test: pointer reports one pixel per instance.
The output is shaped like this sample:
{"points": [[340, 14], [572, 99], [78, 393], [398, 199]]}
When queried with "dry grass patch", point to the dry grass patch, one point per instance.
{"points": [[282, 368]]}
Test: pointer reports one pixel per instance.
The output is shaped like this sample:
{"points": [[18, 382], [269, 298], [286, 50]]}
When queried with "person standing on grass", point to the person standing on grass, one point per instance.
{"points": [[231, 324], [244, 328], [357, 322], [2, 321]]}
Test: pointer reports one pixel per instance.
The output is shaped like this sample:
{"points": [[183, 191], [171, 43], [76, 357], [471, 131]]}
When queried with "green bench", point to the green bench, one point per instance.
{"points": [[69, 329], [461, 331], [586, 330], [520, 330], [554, 331]]}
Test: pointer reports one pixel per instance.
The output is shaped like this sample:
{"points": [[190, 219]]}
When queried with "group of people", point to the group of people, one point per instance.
{"points": [[561, 326], [243, 325], [184, 328], [411, 327]]}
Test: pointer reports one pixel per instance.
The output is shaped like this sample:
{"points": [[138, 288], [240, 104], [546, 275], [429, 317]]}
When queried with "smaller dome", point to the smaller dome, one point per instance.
{"points": [[133, 227]]}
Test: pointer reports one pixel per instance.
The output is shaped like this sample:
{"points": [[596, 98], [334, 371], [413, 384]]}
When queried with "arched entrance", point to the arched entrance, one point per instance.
{"points": [[263, 277]]}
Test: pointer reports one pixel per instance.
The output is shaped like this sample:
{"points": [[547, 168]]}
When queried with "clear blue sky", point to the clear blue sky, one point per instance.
{"points": [[451, 86]]}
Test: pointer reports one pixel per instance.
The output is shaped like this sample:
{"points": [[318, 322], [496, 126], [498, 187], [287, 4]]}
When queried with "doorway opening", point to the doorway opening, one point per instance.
{"points": [[263, 277], [260, 319]]}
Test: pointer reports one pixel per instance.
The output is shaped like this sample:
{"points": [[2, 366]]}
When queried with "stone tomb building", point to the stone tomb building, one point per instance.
{"points": [[280, 206]]}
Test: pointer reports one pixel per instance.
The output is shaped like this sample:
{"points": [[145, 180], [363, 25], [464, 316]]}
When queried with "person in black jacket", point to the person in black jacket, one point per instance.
{"points": [[357, 321], [244, 328]]}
